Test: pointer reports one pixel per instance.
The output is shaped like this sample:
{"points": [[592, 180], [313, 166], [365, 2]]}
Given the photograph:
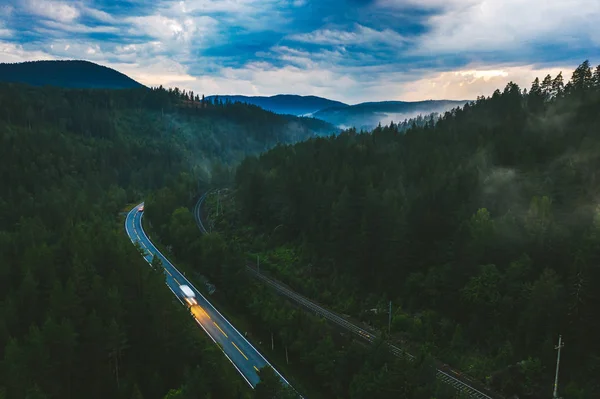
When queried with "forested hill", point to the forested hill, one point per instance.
{"points": [[483, 230], [368, 115], [363, 116], [203, 131], [81, 313], [73, 74], [285, 103]]}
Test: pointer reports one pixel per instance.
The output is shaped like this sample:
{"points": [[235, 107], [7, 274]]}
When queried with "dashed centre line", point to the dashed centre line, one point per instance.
{"points": [[223, 332], [239, 350]]}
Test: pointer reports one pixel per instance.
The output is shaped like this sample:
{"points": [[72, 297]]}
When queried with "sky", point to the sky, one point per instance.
{"points": [[347, 50]]}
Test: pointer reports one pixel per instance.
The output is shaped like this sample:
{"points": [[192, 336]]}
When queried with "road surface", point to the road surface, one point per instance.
{"points": [[244, 357]]}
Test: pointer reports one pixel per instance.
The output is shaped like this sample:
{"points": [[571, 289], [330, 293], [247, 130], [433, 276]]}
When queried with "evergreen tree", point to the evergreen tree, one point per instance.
{"points": [[546, 87], [558, 86], [596, 78], [467, 222], [582, 77]]}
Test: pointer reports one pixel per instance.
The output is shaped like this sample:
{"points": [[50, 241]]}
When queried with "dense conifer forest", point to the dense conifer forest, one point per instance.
{"points": [[482, 229], [81, 313], [320, 362]]}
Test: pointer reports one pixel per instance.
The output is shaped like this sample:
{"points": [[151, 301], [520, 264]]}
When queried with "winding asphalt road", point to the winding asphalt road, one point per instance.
{"points": [[244, 357]]}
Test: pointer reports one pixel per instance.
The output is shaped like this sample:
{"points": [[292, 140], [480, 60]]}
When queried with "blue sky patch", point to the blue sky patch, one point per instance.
{"points": [[349, 50]]}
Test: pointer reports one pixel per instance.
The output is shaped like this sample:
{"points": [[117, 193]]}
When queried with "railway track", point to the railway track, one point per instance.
{"points": [[369, 336]]}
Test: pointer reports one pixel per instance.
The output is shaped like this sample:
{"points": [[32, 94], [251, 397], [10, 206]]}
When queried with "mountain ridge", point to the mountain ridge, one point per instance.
{"points": [[366, 115], [79, 74], [369, 114], [293, 104]]}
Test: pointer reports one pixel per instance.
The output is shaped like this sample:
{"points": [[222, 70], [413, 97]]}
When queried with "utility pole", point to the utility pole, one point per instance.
{"points": [[287, 359], [218, 201], [560, 345], [390, 319]]}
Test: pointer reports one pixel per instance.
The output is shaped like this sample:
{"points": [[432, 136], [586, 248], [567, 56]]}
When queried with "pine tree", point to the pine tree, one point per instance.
{"points": [[535, 99], [582, 77], [597, 78], [558, 86], [546, 87]]}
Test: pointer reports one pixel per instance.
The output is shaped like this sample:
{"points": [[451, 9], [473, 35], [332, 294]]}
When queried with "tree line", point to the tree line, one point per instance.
{"points": [[81, 313], [481, 227], [329, 364]]}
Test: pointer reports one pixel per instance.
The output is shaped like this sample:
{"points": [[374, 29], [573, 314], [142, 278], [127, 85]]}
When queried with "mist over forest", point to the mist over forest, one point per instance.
{"points": [[481, 224]]}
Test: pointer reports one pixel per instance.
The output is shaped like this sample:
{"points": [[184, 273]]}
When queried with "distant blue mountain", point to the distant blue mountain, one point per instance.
{"points": [[362, 116], [368, 115], [70, 74], [285, 103]]}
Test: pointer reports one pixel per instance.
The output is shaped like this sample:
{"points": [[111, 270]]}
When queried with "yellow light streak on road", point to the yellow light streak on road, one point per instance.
{"points": [[256, 369], [239, 350], [199, 313]]}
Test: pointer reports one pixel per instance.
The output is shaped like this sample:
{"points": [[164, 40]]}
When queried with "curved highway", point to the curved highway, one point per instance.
{"points": [[244, 357]]}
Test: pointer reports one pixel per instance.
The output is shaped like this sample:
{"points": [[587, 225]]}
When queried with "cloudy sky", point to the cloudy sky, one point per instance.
{"points": [[348, 50]]}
